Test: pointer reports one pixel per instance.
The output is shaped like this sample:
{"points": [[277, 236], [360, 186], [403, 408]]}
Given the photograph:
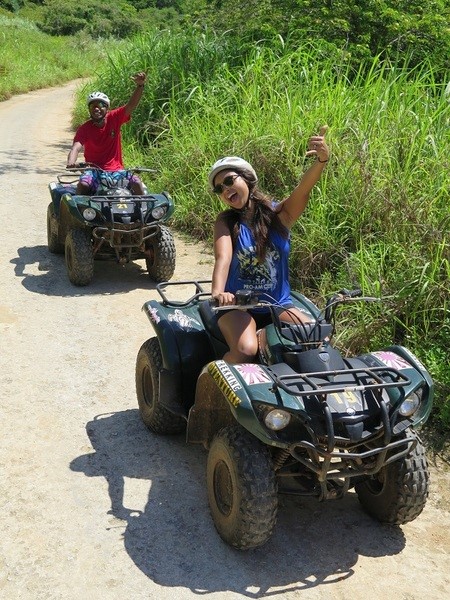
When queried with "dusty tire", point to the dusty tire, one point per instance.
{"points": [[398, 493], [161, 262], [242, 488], [148, 366], [79, 256], [54, 245]]}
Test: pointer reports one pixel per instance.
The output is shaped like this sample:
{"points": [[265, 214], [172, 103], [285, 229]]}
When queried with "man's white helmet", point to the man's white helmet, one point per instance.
{"points": [[229, 163], [98, 96]]}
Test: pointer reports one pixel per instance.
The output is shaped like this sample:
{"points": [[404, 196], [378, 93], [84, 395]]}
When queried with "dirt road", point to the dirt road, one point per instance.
{"points": [[92, 505]]}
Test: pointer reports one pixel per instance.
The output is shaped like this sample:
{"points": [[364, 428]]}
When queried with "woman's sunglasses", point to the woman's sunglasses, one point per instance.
{"points": [[227, 182]]}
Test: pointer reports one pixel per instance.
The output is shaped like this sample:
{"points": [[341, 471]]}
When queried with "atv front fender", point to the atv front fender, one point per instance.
{"points": [[223, 398], [405, 361]]}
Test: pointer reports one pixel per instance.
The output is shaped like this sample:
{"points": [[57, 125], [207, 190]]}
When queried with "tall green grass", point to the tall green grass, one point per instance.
{"points": [[379, 219]]}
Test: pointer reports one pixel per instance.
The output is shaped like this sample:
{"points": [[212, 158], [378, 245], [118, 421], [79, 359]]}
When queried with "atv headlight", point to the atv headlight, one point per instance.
{"points": [[277, 419], [409, 406], [89, 214], [158, 212]]}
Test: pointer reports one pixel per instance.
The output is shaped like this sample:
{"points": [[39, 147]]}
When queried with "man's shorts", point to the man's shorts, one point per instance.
{"points": [[95, 179]]}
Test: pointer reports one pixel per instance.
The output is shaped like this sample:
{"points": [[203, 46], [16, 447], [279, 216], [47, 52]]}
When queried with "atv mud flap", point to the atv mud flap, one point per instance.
{"points": [[170, 393]]}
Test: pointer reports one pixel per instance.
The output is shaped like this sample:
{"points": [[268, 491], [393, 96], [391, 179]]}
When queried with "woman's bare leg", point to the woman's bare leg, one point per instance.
{"points": [[239, 330]]}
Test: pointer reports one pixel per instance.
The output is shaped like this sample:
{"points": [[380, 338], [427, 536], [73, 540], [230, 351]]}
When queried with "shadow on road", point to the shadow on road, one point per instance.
{"points": [[173, 540], [45, 273]]}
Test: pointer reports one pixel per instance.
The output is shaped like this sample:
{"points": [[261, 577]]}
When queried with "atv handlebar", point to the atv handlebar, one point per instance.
{"points": [[83, 166], [342, 297], [247, 300], [199, 294]]}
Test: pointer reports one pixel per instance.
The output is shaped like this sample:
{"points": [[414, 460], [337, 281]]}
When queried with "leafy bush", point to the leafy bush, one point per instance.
{"points": [[94, 17]]}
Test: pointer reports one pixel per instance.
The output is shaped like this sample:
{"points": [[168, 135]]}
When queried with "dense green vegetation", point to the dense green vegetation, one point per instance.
{"points": [[361, 29], [380, 217]]}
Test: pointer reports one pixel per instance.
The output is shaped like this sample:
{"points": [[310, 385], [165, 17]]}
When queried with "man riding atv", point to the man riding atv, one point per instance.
{"points": [[100, 137]]}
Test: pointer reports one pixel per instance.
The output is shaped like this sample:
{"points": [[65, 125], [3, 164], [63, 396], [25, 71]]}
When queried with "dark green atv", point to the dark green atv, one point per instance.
{"points": [[303, 420], [112, 225]]}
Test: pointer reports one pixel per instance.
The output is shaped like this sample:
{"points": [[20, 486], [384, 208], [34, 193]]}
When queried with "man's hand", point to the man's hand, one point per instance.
{"points": [[140, 78]]}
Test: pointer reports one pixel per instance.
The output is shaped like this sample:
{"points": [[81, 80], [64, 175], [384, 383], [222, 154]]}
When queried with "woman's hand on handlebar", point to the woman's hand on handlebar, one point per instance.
{"points": [[224, 299]]}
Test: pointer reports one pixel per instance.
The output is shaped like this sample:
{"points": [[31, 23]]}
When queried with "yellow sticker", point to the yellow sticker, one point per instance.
{"points": [[223, 384]]}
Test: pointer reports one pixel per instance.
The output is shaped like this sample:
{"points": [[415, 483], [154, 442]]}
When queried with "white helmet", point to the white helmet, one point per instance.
{"points": [[230, 162], [98, 96]]}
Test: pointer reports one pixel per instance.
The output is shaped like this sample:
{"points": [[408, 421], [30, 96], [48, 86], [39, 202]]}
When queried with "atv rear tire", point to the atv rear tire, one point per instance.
{"points": [[397, 494], [155, 416], [54, 245], [79, 256], [161, 262], [242, 488]]}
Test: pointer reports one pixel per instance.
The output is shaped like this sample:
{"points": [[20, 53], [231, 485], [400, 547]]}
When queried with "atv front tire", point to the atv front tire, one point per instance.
{"points": [[242, 488], [79, 256], [54, 245], [155, 416], [160, 250], [397, 494]]}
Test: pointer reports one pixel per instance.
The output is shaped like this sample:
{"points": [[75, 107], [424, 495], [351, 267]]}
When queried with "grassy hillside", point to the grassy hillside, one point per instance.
{"points": [[30, 59]]}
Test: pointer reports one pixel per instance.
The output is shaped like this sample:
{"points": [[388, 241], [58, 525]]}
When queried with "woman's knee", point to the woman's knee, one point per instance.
{"points": [[247, 348]]}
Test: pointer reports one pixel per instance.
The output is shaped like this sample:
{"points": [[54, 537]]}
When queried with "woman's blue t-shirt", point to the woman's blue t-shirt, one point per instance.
{"points": [[269, 279]]}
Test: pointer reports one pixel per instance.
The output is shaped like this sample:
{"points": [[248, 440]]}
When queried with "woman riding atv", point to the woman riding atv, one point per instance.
{"points": [[252, 244]]}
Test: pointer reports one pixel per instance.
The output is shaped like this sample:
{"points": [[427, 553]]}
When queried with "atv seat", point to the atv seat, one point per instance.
{"points": [[57, 190]]}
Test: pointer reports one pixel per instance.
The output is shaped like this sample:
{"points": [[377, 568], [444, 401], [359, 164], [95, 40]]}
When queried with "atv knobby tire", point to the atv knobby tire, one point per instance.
{"points": [[155, 416], [242, 488], [54, 245], [397, 494], [161, 262], [79, 256]]}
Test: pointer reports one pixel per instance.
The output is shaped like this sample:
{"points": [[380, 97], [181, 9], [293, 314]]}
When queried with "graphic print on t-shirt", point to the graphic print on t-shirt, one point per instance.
{"points": [[256, 275]]}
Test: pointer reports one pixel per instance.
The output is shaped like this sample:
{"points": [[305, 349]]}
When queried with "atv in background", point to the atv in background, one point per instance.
{"points": [[114, 225], [305, 419]]}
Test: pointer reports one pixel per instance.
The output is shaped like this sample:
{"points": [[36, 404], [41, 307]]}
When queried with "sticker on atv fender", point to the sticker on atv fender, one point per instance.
{"points": [[153, 315], [226, 381], [183, 320], [390, 359], [252, 374]]}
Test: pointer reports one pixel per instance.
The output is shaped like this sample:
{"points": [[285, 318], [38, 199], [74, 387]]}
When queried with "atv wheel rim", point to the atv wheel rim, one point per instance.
{"points": [[223, 488], [376, 483]]}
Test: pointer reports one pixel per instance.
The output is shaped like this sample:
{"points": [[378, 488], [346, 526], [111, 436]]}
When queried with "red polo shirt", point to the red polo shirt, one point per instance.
{"points": [[103, 145]]}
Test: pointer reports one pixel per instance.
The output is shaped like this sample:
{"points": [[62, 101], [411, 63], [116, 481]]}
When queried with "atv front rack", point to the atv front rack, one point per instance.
{"points": [[136, 232], [292, 383]]}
